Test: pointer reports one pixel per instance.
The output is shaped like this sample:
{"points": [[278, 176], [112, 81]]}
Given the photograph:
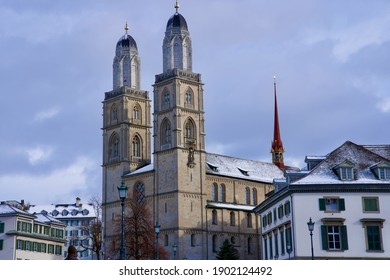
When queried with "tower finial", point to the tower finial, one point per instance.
{"points": [[126, 27], [177, 7]]}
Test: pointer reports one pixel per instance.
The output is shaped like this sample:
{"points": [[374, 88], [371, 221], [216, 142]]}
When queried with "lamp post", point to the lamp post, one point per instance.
{"points": [[288, 250], [310, 225], [122, 195], [174, 246], [157, 231]]}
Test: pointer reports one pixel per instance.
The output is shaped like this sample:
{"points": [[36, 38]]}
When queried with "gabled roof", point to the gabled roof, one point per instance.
{"points": [[242, 168], [362, 157]]}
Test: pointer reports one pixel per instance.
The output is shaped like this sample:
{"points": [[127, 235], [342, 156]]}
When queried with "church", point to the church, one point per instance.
{"points": [[198, 199]]}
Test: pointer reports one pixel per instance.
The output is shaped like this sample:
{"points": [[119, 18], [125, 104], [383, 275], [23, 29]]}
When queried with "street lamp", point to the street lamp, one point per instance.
{"points": [[310, 225], [122, 195], [174, 246], [157, 231], [288, 250]]}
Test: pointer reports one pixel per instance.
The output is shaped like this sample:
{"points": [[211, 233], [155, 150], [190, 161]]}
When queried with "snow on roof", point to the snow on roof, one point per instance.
{"points": [[62, 211], [146, 168], [242, 168], [362, 159], [8, 209], [230, 206], [43, 218]]}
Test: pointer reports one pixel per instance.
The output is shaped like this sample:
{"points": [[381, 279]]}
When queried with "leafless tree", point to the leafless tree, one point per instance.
{"points": [[139, 231], [92, 237]]}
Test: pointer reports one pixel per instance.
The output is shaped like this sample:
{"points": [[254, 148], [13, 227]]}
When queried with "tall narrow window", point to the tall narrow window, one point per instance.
{"points": [[136, 147], [166, 102], [114, 113], [249, 220], [247, 196], [166, 134], [193, 240], [214, 192], [373, 234], [136, 114], [214, 217], [249, 245], [254, 196], [139, 192], [222, 193], [232, 219], [114, 146]]}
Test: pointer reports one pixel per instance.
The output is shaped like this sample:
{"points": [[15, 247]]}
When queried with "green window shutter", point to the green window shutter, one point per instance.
{"points": [[23, 245], [344, 238], [324, 236], [1, 244], [321, 202], [1, 227], [341, 204], [19, 224]]}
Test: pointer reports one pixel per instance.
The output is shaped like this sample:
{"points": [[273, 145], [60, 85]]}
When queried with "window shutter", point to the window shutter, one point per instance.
{"points": [[324, 236], [344, 238], [341, 204], [1, 227], [321, 202]]}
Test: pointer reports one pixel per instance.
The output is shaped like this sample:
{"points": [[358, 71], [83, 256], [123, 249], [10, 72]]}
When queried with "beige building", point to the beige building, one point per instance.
{"points": [[199, 199]]}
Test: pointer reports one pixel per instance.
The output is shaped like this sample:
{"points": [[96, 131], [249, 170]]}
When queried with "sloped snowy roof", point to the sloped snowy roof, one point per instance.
{"points": [[146, 168], [62, 211], [362, 159], [242, 168], [230, 206], [8, 209]]}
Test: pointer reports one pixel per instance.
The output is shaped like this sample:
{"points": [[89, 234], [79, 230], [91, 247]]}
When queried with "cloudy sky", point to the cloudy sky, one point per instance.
{"points": [[331, 59]]}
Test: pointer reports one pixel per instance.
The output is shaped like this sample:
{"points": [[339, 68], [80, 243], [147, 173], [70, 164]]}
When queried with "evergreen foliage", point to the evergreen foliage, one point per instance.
{"points": [[227, 252]]}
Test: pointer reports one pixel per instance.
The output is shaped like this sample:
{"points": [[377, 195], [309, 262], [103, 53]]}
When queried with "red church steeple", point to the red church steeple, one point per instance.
{"points": [[277, 145]]}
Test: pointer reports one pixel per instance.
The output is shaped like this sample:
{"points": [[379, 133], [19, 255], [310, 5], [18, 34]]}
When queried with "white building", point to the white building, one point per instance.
{"points": [[76, 216], [25, 236], [347, 196]]}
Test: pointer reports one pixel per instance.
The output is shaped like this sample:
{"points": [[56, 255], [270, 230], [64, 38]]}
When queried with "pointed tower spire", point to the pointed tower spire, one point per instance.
{"points": [[277, 145]]}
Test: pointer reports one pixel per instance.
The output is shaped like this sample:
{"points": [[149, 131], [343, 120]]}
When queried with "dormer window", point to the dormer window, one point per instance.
{"points": [[212, 167], [345, 170], [244, 172], [346, 173], [382, 170]]}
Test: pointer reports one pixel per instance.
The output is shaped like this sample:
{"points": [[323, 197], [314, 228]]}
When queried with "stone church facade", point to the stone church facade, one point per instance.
{"points": [[199, 199]]}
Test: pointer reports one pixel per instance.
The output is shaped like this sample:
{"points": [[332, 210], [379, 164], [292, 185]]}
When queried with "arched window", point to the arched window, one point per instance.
{"points": [[254, 196], [166, 240], [222, 193], [193, 240], [166, 134], [189, 131], [139, 192], [188, 102], [166, 102], [233, 240], [232, 219], [247, 196], [136, 143], [214, 192], [249, 220], [214, 217], [114, 146], [136, 113], [114, 113]]}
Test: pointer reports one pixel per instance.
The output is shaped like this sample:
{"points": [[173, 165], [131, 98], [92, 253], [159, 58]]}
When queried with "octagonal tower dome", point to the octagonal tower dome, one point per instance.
{"points": [[177, 46], [127, 63]]}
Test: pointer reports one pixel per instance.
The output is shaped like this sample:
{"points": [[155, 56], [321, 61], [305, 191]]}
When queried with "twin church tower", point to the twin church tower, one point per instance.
{"points": [[199, 199]]}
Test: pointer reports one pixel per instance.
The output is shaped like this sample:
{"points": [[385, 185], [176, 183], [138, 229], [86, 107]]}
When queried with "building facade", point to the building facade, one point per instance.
{"points": [[24, 236], [77, 217], [345, 193], [199, 199]]}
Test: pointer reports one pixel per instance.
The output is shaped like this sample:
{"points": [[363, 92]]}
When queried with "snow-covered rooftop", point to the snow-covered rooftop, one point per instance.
{"points": [[361, 157], [242, 168], [62, 211], [230, 206]]}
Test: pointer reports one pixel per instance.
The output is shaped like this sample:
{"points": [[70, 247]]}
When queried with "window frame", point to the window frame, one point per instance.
{"points": [[364, 205]]}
